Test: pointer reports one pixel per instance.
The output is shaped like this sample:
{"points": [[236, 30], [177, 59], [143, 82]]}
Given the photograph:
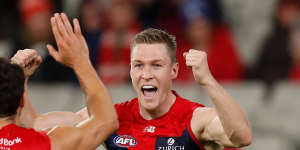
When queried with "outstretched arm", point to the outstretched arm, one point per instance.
{"points": [[29, 61], [73, 52], [225, 124]]}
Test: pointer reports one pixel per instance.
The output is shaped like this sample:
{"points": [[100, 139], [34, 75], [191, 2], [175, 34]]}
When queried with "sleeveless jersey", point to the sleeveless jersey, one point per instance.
{"points": [[13, 137], [171, 131]]}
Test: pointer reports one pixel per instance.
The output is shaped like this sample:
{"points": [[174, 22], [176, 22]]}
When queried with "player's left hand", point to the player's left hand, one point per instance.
{"points": [[197, 60], [28, 60]]}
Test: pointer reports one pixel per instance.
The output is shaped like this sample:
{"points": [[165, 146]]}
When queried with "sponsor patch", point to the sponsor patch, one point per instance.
{"points": [[125, 141], [171, 141]]}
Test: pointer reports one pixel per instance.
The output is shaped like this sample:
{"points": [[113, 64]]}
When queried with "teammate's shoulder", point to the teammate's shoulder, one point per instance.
{"points": [[33, 133], [28, 132], [28, 137], [20, 129]]}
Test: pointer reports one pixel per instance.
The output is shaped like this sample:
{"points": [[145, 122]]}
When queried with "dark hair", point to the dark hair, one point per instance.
{"points": [[153, 36], [11, 87]]}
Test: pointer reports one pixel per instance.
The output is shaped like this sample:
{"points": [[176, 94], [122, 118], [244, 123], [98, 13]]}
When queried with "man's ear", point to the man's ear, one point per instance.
{"points": [[175, 68]]}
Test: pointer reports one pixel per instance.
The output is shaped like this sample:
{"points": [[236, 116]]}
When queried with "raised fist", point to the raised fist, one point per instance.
{"points": [[28, 60], [197, 60]]}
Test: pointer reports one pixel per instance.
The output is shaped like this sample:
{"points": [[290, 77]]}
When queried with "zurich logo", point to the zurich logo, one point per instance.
{"points": [[171, 141], [124, 141]]}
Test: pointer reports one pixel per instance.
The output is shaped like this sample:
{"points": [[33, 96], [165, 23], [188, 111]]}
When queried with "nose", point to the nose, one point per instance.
{"points": [[147, 73]]}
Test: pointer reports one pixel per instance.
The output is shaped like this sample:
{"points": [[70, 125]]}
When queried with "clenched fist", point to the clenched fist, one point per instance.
{"points": [[28, 60], [197, 60]]}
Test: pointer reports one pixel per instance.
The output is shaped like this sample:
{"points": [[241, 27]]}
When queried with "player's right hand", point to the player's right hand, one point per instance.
{"points": [[197, 60], [28, 60], [72, 48]]}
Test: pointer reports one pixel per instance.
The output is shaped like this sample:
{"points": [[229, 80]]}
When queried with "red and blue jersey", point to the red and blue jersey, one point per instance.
{"points": [[171, 131], [13, 137]]}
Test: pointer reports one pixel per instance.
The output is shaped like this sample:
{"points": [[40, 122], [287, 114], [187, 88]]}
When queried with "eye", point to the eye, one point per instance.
{"points": [[137, 65], [157, 65]]}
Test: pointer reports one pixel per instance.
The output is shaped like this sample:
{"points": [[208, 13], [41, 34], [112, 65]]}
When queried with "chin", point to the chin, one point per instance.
{"points": [[150, 105]]}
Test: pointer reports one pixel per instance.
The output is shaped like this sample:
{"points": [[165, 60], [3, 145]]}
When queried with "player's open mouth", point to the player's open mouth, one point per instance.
{"points": [[149, 91]]}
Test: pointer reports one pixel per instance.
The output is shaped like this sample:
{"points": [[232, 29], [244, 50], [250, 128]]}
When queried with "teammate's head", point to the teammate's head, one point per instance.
{"points": [[153, 67], [155, 36], [11, 87]]}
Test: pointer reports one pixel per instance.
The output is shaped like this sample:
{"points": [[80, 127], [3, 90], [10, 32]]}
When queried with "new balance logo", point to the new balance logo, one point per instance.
{"points": [[150, 129]]}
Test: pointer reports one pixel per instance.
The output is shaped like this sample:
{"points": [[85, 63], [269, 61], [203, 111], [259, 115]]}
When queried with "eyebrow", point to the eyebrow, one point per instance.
{"points": [[139, 61]]}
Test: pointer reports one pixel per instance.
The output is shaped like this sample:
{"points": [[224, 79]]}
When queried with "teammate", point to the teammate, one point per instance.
{"points": [[29, 118], [87, 135]]}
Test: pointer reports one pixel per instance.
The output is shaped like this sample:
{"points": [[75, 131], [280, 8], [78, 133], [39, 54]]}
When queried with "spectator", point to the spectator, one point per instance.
{"points": [[147, 12], [274, 62], [114, 55], [169, 18], [91, 17], [205, 31], [35, 16], [35, 33]]}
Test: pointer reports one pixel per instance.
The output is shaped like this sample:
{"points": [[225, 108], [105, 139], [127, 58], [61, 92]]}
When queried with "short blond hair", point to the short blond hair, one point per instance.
{"points": [[156, 36]]}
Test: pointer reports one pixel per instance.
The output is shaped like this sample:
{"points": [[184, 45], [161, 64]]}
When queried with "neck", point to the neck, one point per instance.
{"points": [[6, 121], [162, 109]]}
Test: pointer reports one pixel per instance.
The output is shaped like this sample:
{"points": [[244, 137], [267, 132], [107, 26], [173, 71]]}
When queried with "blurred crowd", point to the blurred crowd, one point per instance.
{"points": [[109, 25]]}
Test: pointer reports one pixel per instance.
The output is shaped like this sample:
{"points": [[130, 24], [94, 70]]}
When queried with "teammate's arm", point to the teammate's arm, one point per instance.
{"points": [[225, 124], [73, 52], [83, 113], [29, 61]]}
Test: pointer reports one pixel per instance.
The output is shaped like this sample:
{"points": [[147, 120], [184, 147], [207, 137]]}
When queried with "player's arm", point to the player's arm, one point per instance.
{"points": [[56, 118], [225, 124], [29, 61], [73, 52], [83, 113]]}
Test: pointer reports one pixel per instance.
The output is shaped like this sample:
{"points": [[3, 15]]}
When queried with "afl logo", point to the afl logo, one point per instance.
{"points": [[125, 141]]}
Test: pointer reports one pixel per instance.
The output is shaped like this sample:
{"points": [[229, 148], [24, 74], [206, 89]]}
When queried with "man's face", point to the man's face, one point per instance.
{"points": [[152, 73]]}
